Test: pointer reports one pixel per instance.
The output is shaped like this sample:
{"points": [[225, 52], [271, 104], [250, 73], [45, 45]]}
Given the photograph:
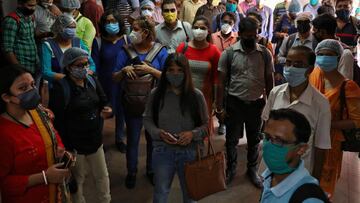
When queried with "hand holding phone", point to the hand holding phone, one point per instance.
{"points": [[67, 160]]}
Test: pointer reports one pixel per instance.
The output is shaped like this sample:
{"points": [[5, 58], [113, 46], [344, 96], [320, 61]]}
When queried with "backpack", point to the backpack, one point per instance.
{"points": [[136, 92], [306, 191], [67, 91], [291, 40]]}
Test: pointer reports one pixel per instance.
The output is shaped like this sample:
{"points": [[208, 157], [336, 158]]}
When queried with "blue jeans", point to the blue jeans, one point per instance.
{"points": [[133, 132], [166, 162]]}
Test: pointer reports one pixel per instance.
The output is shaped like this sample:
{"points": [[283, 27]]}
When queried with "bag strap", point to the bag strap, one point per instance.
{"points": [[266, 58], [91, 81], [306, 191], [230, 55], [186, 45], [130, 51], [187, 36], [125, 39], [79, 18], [290, 42], [342, 98], [154, 51], [218, 22]]}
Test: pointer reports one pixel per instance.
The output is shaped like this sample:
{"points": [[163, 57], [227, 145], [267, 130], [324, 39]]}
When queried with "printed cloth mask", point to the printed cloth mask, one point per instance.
{"points": [[170, 17], [146, 13], [79, 73], [230, 7], [29, 100], [343, 15], [112, 28], [275, 157], [226, 28], [135, 37], [175, 80], [68, 33], [327, 63], [294, 76], [199, 34]]}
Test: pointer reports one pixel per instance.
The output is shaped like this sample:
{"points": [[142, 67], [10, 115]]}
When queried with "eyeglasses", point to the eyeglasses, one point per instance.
{"points": [[173, 10], [81, 65], [277, 141]]}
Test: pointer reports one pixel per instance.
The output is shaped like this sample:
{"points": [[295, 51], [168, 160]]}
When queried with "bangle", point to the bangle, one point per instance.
{"points": [[44, 177], [219, 112]]}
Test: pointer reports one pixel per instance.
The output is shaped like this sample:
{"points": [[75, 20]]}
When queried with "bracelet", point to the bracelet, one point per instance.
{"points": [[44, 177], [219, 112]]}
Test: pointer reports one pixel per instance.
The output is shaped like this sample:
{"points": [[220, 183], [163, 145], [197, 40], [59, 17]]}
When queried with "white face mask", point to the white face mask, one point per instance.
{"points": [[226, 28], [146, 13], [135, 37], [199, 34]]}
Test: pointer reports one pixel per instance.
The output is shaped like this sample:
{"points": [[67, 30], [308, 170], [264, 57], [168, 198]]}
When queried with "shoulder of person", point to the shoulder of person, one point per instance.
{"points": [[186, 24], [198, 93], [279, 88]]}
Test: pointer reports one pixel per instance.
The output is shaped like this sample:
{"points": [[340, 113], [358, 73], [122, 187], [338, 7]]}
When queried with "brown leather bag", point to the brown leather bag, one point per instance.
{"points": [[205, 176]]}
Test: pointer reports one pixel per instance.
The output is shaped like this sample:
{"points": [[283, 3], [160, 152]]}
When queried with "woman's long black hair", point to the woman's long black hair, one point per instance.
{"points": [[188, 101]]}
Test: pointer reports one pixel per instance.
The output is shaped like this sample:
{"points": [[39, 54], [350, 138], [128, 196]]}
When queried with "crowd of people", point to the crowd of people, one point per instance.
{"points": [[184, 70]]}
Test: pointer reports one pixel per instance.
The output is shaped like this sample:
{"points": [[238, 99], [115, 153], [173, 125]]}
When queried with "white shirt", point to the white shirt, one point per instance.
{"points": [[314, 106]]}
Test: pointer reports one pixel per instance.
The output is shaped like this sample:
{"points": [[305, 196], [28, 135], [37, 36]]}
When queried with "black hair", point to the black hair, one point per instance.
{"points": [[256, 15], [208, 25], [8, 75], [309, 53], [118, 18], [23, 1], [187, 101], [230, 14], [325, 22], [326, 9], [338, 1], [248, 24], [167, 2], [302, 128]]}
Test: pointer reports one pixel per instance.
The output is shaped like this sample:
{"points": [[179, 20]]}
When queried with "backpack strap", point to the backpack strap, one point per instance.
{"points": [[230, 55], [125, 39], [14, 16], [154, 51], [187, 36], [56, 50], [186, 45], [266, 58], [79, 18], [290, 42], [306, 191]]}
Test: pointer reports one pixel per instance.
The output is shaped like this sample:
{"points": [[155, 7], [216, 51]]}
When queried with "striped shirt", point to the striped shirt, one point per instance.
{"points": [[124, 9]]}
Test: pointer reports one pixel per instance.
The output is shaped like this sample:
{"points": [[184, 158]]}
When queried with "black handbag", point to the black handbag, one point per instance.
{"points": [[352, 136]]}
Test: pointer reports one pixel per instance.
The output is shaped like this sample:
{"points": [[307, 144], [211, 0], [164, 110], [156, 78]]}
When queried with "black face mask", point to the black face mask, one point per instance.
{"points": [[248, 43], [29, 100], [343, 15], [303, 28], [26, 11]]}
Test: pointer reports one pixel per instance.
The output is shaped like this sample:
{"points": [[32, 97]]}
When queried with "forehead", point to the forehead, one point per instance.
{"points": [[343, 3], [226, 17], [327, 52], [24, 78], [199, 23], [110, 17], [280, 128], [295, 55], [169, 6], [30, 2]]}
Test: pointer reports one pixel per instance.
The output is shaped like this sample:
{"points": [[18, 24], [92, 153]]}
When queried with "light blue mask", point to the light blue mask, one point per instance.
{"points": [[327, 63], [294, 76], [230, 7], [112, 28], [68, 33], [314, 2], [275, 158]]}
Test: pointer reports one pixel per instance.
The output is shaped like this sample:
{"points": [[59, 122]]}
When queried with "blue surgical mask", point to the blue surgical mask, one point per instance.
{"points": [[275, 157], [314, 2], [230, 7], [68, 33], [294, 76], [327, 63], [112, 28]]}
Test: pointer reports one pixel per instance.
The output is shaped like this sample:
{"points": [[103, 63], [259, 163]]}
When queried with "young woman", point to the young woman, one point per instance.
{"points": [[328, 80], [176, 117], [142, 44], [79, 104], [30, 148], [203, 58], [104, 53]]}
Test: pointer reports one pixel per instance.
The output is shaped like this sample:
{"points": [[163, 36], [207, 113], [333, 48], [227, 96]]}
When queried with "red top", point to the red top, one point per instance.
{"points": [[22, 153]]}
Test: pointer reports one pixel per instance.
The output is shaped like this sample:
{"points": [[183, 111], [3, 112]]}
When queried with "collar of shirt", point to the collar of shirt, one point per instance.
{"points": [[78, 17], [304, 98], [238, 47], [310, 38], [178, 26], [287, 184]]}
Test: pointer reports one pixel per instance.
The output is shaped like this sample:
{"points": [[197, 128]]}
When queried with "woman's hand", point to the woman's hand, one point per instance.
{"points": [[185, 138], [129, 71], [144, 68], [106, 112], [56, 175], [167, 138]]}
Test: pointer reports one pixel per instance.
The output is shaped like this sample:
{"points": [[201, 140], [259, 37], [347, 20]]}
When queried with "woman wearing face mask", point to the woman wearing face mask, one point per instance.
{"points": [[142, 43], [29, 151], [175, 101], [147, 9], [104, 52], [52, 49], [328, 80], [203, 58], [79, 104]]}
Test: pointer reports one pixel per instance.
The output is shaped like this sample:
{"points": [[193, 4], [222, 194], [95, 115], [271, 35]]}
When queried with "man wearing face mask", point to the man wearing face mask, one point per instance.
{"points": [[85, 30], [299, 95], [146, 9], [347, 25], [20, 49], [226, 37], [302, 37], [172, 31], [231, 6], [246, 68], [45, 16], [287, 133], [312, 7]]}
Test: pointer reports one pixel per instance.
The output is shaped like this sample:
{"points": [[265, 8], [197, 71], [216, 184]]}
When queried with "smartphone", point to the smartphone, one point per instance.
{"points": [[67, 160], [136, 61], [175, 137]]}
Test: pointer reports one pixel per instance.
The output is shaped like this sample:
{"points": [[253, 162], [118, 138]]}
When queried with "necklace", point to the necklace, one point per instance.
{"points": [[17, 121]]}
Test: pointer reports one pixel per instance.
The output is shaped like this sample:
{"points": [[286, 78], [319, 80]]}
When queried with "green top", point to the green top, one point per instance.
{"points": [[85, 30]]}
